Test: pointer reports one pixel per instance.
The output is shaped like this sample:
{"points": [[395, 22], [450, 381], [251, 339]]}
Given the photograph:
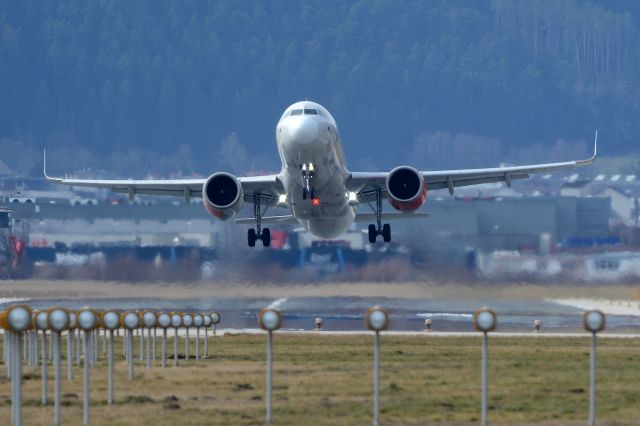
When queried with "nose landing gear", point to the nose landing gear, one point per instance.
{"points": [[308, 172], [384, 230]]}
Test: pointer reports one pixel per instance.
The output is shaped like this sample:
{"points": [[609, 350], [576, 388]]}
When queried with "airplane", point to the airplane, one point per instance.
{"points": [[315, 185]]}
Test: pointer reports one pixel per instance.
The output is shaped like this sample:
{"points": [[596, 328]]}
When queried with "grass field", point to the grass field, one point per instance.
{"points": [[327, 380]]}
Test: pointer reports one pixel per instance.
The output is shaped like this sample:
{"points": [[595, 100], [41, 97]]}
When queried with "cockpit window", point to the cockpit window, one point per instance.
{"points": [[296, 112], [308, 111]]}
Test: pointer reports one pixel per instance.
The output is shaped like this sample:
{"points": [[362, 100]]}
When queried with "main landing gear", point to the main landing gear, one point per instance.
{"points": [[263, 235], [384, 230], [308, 172]]}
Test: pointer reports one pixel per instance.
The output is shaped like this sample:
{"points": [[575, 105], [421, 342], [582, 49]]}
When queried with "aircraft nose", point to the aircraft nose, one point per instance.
{"points": [[303, 130]]}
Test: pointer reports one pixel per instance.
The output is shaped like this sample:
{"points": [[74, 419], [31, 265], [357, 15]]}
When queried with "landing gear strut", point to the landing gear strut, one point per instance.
{"points": [[384, 230], [308, 172], [258, 234]]}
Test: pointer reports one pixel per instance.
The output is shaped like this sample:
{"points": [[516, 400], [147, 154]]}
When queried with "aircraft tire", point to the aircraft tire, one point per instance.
{"points": [[373, 234], [251, 237], [386, 232], [266, 237]]}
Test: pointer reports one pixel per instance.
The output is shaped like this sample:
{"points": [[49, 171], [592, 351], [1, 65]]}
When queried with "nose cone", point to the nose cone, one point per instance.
{"points": [[303, 129]]}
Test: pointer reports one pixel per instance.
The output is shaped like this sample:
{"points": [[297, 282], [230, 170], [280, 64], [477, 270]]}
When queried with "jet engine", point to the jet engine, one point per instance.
{"points": [[223, 195], [406, 188]]}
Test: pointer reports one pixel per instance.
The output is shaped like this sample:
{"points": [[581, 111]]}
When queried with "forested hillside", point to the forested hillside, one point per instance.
{"points": [[189, 86]]}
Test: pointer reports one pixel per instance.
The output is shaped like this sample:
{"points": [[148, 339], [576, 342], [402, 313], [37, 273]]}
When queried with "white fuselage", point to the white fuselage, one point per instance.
{"points": [[307, 134]]}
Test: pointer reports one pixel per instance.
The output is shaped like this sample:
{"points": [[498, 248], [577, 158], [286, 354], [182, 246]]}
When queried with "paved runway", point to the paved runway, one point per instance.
{"points": [[406, 314]]}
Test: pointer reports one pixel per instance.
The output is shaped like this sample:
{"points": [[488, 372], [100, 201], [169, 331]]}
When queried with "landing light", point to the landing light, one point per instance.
{"points": [[316, 201], [352, 196], [282, 199]]}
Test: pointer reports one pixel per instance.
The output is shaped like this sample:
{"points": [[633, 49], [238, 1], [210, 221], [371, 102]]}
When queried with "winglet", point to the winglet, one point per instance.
{"points": [[44, 168], [593, 157]]}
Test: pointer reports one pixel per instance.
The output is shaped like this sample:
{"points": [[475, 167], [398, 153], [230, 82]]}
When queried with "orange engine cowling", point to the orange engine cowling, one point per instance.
{"points": [[406, 188], [223, 195]]}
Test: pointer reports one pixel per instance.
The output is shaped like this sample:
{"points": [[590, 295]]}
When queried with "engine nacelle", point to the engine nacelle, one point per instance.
{"points": [[406, 188], [223, 195]]}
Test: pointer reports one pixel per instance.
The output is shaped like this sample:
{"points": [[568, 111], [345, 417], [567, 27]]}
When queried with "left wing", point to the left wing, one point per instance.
{"points": [[367, 183], [267, 186]]}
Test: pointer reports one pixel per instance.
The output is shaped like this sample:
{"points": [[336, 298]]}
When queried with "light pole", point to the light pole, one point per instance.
{"points": [[149, 321], [269, 320], [73, 324], [187, 321], [176, 322], [377, 320], [484, 320], [131, 321], [58, 320], [15, 321], [164, 321], [207, 323], [87, 321], [42, 324], [198, 321], [110, 322], [215, 319], [593, 321]]}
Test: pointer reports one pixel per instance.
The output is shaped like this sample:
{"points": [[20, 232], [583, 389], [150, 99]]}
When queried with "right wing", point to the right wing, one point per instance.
{"points": [[367, 184]]}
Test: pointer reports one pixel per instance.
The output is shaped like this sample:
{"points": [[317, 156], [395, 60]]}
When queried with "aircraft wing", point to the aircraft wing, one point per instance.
{"points": [[268, 186], [366, 184]]}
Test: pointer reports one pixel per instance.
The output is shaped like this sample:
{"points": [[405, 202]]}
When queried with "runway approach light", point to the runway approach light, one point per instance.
{"points": [[593, 321], [270, 319], [198, 320], [58, 319], [73, 322], [377, 319], [176, 320], [17, 318], [42, 322], [87, 320], [187, 320], [149, 319], [427, 324], [130, 320], [207, 320], [111, 320], [215, 317], [484, 319], [164, 320]]}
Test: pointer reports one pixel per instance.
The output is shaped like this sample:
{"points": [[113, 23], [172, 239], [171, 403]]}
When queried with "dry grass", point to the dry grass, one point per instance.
{"points": [[326, 380], [80, 289]]}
